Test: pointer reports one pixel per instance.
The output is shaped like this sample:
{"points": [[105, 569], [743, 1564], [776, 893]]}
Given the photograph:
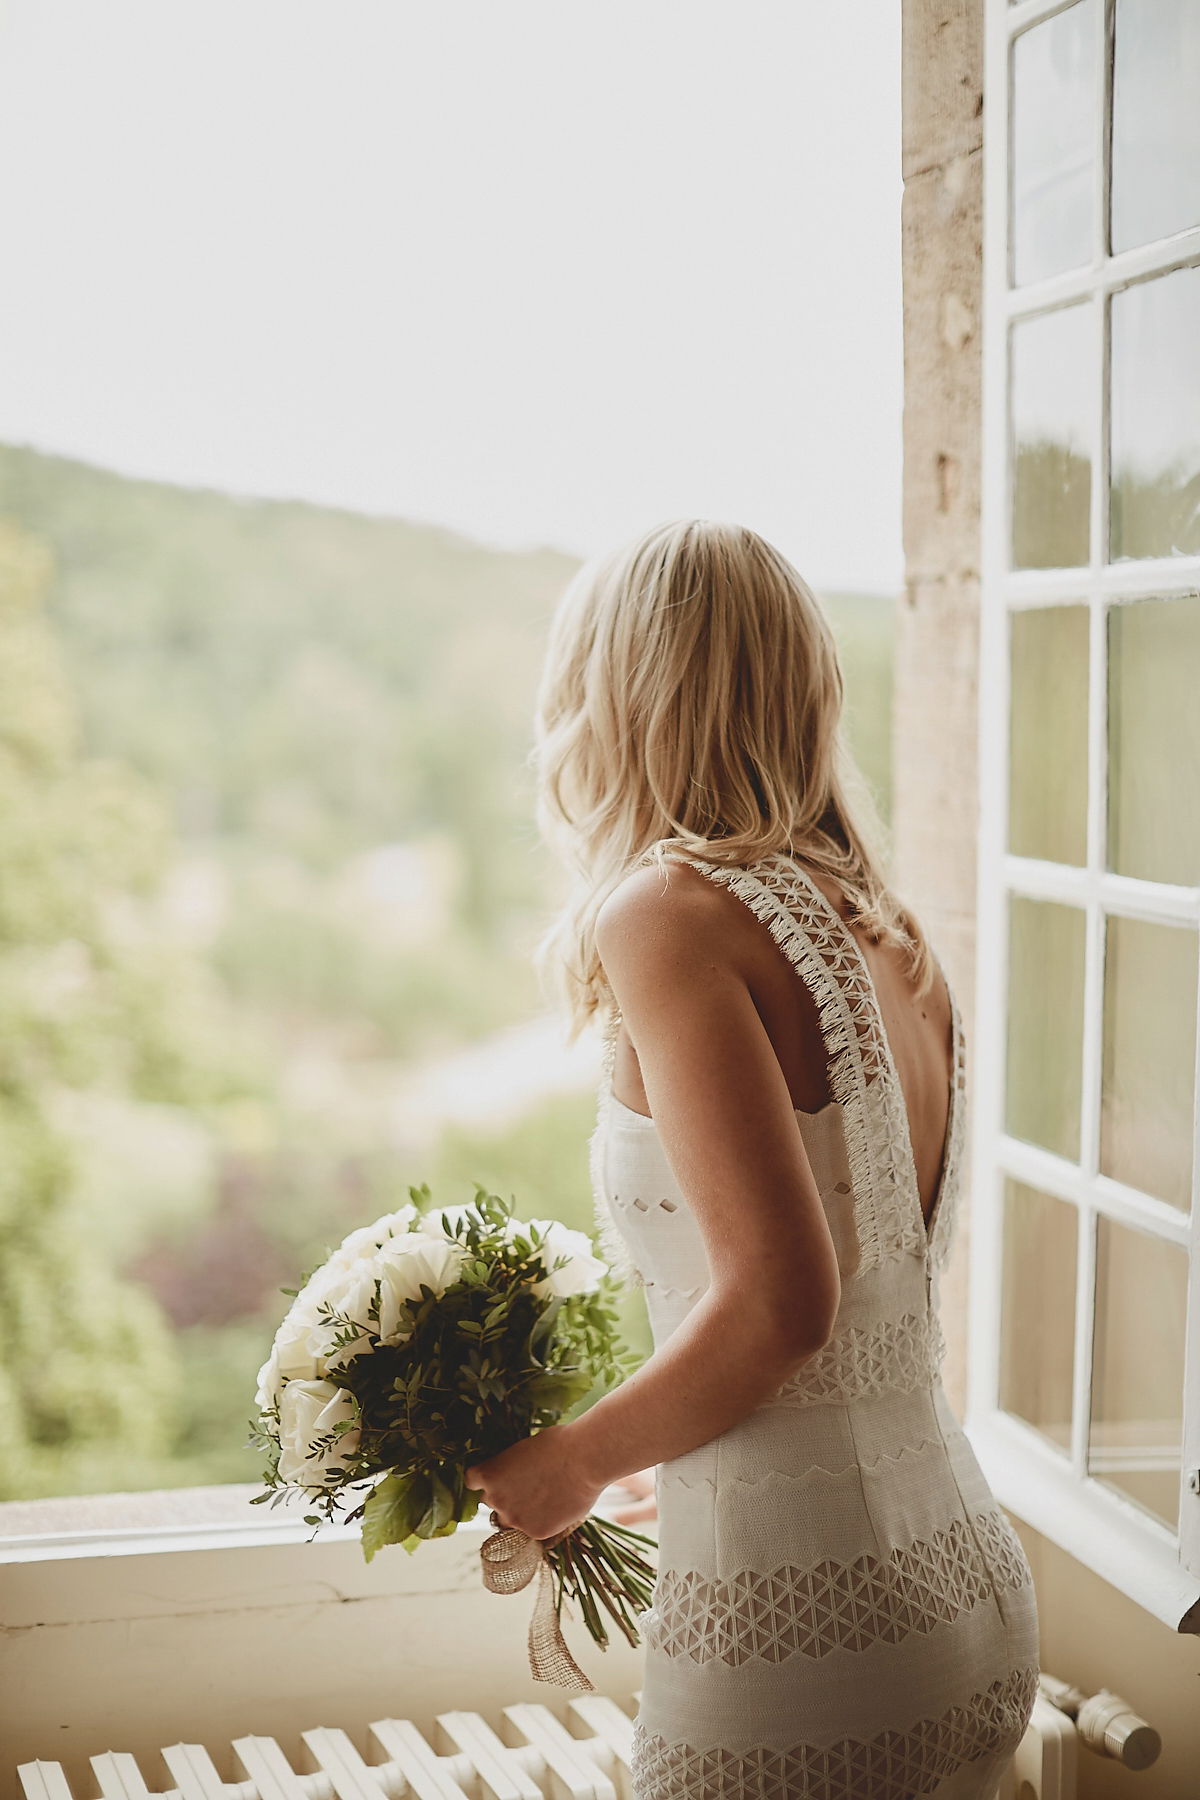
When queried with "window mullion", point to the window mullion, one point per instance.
{"points": [[1093, 1035], [1111, 1199], [1129, 1206], [1102, 492], [1085, 1303], [1128, 895], [986, 1238], [1024, 13], [1093, 1017], [1143, 580], [1119, 271], [1105, 27], [1189, 1499], [1132, 580], [1098, 727]]}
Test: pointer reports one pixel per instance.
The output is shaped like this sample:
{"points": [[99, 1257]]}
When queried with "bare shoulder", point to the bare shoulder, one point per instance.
{"points": [[664, 914]]}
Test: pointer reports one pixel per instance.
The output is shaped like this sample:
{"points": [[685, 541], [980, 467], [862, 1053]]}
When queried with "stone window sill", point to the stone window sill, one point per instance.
{"points": [[157, 1520]]}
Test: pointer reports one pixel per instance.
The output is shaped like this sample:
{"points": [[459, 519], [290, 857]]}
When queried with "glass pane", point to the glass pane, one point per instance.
{"points": [[1045, 1024], [1154, 740], [1052, 404], [1156, 120], [1037, 1318], [1047, 807], [1137, 1367], [1156, 418], [1150, 975], [1054, 144]]}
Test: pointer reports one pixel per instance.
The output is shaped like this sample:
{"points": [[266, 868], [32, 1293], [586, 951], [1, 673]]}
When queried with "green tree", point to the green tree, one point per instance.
{"points": [[88, 1367]]}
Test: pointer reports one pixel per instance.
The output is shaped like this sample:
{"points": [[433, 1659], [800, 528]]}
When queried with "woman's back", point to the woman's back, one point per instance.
{"points": [[841, 1608], [918, 1025]]}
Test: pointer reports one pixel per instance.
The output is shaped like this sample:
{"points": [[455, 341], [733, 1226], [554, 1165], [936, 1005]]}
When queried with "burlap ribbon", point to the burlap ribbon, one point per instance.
{"points": [[510, 1559]]}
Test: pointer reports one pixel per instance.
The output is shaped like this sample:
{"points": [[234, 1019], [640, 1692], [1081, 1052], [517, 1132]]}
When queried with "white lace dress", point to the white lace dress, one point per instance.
{"points": [[842, 1611]]}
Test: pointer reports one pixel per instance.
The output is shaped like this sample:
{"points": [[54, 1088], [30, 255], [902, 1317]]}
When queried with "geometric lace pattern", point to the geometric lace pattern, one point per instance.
{"points": [[1002, 1550], [834, 1606], [862, 1075], [902, 1355], [893, 1766]]}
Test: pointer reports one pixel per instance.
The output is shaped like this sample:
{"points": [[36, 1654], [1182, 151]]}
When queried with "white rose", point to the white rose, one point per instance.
{"points": [[290, 1353], [431, 1225], [405, 1266], [346, 1282], [579, 1271], [351, 1295], [308, 1411], [368, 1238], [269, 1381]]}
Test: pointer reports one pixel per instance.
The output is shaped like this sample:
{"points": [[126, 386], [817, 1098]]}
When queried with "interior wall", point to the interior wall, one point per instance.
{"points": [[1091, 1635], [1095, 1637]]}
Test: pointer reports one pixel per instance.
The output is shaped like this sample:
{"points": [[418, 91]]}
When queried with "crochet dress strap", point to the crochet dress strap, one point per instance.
{"points": [[862, 1075]]}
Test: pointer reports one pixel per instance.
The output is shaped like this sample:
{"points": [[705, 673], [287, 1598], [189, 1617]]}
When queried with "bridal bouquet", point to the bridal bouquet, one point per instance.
{"points": [[431, 1341]]}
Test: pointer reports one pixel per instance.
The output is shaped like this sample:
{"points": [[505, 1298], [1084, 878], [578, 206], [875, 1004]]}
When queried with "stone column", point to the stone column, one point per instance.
{"points": [[937, 637]]}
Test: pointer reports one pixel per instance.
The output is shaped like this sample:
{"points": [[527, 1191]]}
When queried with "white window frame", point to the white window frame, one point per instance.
{"points": [[1040, 1485]]}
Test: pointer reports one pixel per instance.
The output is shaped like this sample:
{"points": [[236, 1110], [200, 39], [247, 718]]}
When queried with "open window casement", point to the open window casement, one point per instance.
{"points": [[1085, 1299]]}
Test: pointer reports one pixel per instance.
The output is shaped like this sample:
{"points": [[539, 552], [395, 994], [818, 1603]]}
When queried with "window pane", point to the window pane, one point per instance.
{"points": [[1137, 1369], [1047, 814], [1156, 120], [1154, 740], [1156, 418], [1037, 1321], [1149, 1058], [1045, 1024], [1054, 134], [1052, 404]]}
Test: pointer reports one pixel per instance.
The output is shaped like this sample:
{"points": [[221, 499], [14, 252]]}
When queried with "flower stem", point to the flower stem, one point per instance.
{"points": [[598, 1562]]}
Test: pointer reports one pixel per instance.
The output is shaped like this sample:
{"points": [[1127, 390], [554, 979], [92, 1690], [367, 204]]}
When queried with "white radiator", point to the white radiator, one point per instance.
{"points": [[536, 1757], [1044, 1767], [1046, 1763]]}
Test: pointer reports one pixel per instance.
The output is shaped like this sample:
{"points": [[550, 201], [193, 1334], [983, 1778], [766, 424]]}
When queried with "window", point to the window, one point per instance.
{"points": [[1085, 1379], [279, 967]]}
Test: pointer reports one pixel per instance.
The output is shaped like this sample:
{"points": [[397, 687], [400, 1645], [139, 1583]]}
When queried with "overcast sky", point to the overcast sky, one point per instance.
{"points": [[540, 270]]}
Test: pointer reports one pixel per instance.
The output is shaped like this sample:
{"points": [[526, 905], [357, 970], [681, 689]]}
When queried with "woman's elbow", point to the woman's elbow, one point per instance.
{"points": [[802, 1318]]}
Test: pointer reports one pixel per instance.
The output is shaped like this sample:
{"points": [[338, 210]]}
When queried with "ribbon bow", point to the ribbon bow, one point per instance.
{"points": [[510, 1559]]}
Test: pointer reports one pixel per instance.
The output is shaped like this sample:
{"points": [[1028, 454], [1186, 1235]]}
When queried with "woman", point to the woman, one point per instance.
{"points": [[841, 1609]]}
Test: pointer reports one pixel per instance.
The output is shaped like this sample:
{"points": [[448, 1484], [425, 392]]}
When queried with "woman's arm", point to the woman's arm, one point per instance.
{"points": [[725, 1119]]}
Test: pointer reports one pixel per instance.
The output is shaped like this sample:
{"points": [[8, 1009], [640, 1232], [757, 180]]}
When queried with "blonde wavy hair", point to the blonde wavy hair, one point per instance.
{"points": [[691, 701]]}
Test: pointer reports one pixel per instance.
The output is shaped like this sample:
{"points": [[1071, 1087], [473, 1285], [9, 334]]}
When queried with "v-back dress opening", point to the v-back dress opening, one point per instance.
{"points": [[842, 1611]]}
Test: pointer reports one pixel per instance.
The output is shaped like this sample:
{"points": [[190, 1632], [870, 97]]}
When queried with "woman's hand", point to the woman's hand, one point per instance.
{"points": [[536, 1485], [645, 1505]]}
